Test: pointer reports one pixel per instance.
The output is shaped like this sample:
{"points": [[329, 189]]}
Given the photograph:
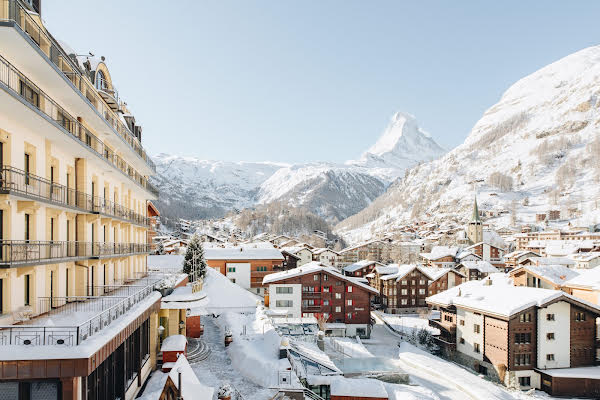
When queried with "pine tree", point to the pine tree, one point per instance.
{"points": [[160, 249], [194, 259]]}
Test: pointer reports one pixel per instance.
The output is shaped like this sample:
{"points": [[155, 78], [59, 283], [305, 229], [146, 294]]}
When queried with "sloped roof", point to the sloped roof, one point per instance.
{"points": [[242, 253]]}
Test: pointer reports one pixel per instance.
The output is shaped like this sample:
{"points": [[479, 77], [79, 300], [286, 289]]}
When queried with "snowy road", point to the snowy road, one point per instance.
{"points": [[445, 379], [217, 368]]}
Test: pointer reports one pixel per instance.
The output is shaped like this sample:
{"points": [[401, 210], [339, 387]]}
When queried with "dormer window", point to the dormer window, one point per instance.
{"points": [[101, 83]]}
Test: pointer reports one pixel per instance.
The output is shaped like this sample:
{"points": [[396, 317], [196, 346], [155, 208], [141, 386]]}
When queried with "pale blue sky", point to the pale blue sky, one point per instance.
{"points": [[314, 80]]}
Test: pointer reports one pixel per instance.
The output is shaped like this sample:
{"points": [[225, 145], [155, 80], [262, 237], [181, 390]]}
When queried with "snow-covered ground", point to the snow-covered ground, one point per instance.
{"points": [[408, 323]]}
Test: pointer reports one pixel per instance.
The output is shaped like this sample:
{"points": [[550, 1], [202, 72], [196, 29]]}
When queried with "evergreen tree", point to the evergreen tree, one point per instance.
{"points": [[194, 263], [160, 249]]}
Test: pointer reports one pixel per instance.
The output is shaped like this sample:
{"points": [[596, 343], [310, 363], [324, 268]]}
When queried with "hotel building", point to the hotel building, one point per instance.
{"points": [[77, 313]]}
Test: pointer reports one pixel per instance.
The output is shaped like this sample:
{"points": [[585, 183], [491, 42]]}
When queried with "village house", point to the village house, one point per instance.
{"points": [[304, 253], [515, 258], [476, 270], [585, 286], [441, 256], [315, 290], [326, 256], [404, 288], [361, 269], [586, 260], [523, 337], [488, 252], [290, 260], [546, 276], [245, 266], [377, 250]]}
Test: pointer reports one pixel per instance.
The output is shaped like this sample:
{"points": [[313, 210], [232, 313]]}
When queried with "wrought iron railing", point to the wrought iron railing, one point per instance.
{"points": [[14, 11], [20, 85], [13, 180], [107, 309], [31, 251]]}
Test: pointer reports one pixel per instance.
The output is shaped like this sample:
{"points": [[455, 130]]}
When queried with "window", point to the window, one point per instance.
{"points": [[27, 227], [315, 277], [526, 317], [338, 295], [284, 290], [338, 309], [404, 292], [549, 357], [550, 335], [421, 282], [521, 338], [421, 291], [27, 279], [580, 316], [261, 269], [284, 303], [349, 289], [524, 381], [349, 315], [522, 359], [230, 269], [405, 282], [404, 302], [462, 322], [476, 348], [101, 83], [476, 328], [326, 289], [549, 317], [325, 302], [232, 280], [462, 341], [325, 277], [349, 302], [27, 166], [29, 93]]}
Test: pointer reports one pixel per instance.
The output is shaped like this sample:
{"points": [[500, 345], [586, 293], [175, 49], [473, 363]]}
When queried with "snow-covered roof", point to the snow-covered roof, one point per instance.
{"points": [[438, 252], [589, 279], [586, 256], [241, 253], [466, 253], [481, 266], [557, 274], [435, 273], [191, 386], [321, 250], [174, 343], [359, 265], [551, 261], [386, 269], [400, 271], [295, 249], [224, 295], [311, 268], [358, 387], [500, 298], [579, 372]]}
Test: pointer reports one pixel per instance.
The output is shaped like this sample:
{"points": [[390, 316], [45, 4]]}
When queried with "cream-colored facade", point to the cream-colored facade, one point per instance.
{"points": [[74, 174]]}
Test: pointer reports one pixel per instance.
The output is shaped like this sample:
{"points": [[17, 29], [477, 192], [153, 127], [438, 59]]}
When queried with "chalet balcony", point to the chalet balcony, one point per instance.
{"points": [[30, 252], [443, 326], [312, 295], [69, 321], [19, 86], [311, 309], [20, 183], [13, 11]]}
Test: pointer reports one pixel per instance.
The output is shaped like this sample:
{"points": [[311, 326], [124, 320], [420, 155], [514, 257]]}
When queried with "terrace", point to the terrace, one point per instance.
{"points": [[23, 184], [69, 321], [19, 86], [31, 252]]}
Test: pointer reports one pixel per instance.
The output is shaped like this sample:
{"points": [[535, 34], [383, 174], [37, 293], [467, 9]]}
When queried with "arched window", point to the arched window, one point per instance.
{"points": [[101, 83]]}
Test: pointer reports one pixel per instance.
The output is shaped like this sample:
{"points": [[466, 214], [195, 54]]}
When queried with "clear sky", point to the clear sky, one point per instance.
{"points": [[298, 81]]}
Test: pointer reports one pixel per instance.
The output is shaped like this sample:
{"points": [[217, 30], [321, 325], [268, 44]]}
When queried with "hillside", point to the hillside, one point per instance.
{"points": [[537, 149]]}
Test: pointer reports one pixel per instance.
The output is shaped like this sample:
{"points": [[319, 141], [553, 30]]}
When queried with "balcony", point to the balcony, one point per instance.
{"points": [[69, 321], [17, 84], [23, 252], [312, 295], [311, 309], [20, 183], [449, 327], [13, 11]]}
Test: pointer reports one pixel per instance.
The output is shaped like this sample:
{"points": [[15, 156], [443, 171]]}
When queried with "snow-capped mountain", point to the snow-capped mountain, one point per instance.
{"points": [[537, 149], [334, 191], [402, 145]]}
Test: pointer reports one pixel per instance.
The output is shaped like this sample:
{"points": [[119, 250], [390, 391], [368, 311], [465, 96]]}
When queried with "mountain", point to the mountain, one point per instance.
{"points": [[194, 188], [537, 149]]}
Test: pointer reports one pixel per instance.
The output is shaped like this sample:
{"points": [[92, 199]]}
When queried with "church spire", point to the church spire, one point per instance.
{"points": [[475, 217]]}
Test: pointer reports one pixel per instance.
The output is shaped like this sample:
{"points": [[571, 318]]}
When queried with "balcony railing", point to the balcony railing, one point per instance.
{"points": [[12, 10], [13, 180], [104, 310], [14, 252], [20, 85]]}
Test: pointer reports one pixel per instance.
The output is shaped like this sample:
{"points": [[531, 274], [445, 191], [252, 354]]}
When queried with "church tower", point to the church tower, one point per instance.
{"points": [[475, 227]]}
